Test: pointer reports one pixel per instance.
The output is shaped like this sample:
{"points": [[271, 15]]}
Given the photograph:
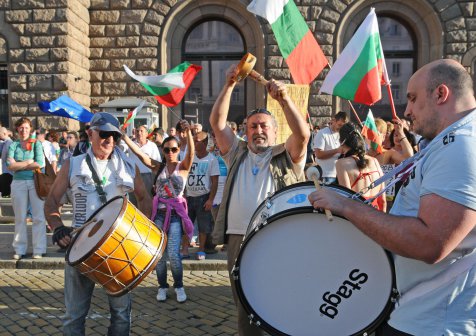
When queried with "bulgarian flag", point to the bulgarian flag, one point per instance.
{"points": [[360, 70], [296, 42], [369, 131], [132, 115], [170, 88]]}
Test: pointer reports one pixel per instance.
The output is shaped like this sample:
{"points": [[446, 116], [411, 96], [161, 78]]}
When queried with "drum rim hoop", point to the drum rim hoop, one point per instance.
{"points": [[106, 235], [268, 327]]}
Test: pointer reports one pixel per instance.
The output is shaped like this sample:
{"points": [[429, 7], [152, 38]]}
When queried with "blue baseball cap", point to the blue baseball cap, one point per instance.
{"points": [[103, 121]]}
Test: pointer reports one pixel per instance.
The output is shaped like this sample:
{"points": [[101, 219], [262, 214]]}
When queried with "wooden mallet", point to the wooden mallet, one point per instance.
{"points": [[313, 174], [245, 69]]}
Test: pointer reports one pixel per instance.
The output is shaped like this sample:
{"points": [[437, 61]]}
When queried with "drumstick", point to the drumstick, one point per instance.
{"points": [[313, 174]]}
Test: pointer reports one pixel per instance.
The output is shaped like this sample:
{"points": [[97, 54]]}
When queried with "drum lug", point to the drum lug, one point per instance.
{"points": [[234, 272], [252, 320], [268, 204]]}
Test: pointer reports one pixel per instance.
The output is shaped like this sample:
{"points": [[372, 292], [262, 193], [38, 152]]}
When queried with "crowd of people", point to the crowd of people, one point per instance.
{"points": [[202, 186]]}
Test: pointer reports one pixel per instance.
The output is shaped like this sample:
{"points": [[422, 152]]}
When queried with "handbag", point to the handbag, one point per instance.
{"points": [[44, 181]]}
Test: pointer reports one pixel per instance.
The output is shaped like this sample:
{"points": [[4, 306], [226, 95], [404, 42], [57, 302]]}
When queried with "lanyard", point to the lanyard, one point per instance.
{"points": [[404, 169]]}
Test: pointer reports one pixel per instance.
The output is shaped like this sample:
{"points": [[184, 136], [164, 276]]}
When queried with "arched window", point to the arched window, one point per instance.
{"points": [[215, 45], [398, 43]]}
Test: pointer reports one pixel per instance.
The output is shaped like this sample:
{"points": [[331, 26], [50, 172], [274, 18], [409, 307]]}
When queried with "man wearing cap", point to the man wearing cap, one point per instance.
{"points": [[95, 177], [256, 168]]}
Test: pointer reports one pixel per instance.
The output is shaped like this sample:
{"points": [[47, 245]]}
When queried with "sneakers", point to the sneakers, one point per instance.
{"points": [[180, 292], [17, 256], [181, 296], [37, 256], [162, 294]]}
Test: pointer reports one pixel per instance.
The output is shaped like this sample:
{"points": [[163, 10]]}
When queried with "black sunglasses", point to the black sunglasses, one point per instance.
{"points": [[167, 150], [105, 135], [260, 110]]}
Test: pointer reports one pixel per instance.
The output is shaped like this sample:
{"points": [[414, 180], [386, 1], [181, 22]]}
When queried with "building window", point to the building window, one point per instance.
{"points": [[398, 44], [396, 69], [4, 95], [215, 45]]}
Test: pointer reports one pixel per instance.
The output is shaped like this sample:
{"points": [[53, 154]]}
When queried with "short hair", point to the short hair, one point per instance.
{"points": [[73, 133], [233, 125], [341, 116], [452, 75], [23, 120]]}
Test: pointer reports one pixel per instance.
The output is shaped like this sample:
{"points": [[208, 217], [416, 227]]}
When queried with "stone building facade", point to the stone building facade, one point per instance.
{"points": [[79, 47]]}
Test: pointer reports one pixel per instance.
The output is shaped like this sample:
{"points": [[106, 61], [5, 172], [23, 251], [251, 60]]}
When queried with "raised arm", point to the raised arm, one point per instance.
{"points": [[223, 134], [297, 141], [186, 163], [144, 158]]}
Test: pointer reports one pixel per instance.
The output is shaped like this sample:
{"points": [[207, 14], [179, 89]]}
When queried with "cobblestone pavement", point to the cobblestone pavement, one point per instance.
{"points": [[31, 303]]}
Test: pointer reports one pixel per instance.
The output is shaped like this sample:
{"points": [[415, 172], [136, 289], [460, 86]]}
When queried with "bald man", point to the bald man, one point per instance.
{"points": [[431, 227]]}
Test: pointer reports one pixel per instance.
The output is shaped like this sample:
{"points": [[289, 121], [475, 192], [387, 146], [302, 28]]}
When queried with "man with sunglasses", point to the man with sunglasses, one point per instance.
{"points": [[256, 168], [95, 177]]}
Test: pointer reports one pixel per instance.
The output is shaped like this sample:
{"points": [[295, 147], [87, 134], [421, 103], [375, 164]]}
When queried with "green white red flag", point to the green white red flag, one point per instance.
{"points": [[360, 70], [172, 93], [371, 133], [296, 42], [132, 115]]}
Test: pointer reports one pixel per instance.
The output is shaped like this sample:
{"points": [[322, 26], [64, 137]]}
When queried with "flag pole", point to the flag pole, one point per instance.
{"points": [[392, 104], [355, 113]]}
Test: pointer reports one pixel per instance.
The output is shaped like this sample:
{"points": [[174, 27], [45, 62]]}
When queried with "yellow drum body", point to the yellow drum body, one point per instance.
{"points": [[117, 247]]}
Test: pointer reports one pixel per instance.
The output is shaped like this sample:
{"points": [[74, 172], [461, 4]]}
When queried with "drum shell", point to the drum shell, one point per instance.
{"points": [[126, 254]]}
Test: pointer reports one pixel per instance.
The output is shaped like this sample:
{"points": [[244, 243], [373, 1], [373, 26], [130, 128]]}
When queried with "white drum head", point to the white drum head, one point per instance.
{"points": [[287, 267], [93, 233]]}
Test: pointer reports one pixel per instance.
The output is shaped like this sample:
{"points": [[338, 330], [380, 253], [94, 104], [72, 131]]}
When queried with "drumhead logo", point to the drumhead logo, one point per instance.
{"points": [[332, 300]]}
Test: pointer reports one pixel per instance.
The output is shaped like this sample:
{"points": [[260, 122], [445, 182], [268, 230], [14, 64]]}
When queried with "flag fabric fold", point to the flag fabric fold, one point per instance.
{"points": [[296, 42], [360, 70], [132, 115], [169, 80], [166, 89], [66, 107], [371, 133]]}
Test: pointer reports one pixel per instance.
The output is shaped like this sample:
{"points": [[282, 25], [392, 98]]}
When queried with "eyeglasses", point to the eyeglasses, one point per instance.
{"points": [[105, 135], [167, 150], [260, 110]]}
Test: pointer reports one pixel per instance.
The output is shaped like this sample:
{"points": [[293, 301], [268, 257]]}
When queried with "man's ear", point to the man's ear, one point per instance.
{"points": [[442, 93]]}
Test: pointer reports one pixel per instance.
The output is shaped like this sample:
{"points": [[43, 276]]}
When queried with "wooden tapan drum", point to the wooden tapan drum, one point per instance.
{"points": [[117, 247]]}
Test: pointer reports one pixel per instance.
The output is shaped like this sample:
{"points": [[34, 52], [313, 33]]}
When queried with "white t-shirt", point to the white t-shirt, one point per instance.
{"points": [[198, 180], [221, 180], [151, 150], [50, 151], [253, 183], [448, 169], [325, 139]]}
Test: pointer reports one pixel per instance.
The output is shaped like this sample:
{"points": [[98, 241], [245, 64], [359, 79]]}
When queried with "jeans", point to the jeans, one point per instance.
{"points": [[24, 195], [172, 252], [78, 291]]}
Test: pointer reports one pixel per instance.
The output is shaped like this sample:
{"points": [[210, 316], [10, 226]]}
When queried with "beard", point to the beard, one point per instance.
{"points": [[259, 148]]}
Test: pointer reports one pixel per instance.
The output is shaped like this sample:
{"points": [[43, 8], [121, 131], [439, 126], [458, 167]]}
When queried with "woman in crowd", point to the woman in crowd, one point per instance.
{"points": [[356, 170], [169, 211], [24, 156]]}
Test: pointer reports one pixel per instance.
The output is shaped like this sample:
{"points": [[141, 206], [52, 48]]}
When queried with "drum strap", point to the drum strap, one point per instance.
{"points": [[458, 267], [102, 194]]}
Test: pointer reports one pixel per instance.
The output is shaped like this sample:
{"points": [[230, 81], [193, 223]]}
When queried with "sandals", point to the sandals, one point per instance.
{"points": [[200, 255]]}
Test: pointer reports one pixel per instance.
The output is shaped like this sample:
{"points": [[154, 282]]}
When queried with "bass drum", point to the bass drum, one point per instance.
{"points": [[299, 274]]}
